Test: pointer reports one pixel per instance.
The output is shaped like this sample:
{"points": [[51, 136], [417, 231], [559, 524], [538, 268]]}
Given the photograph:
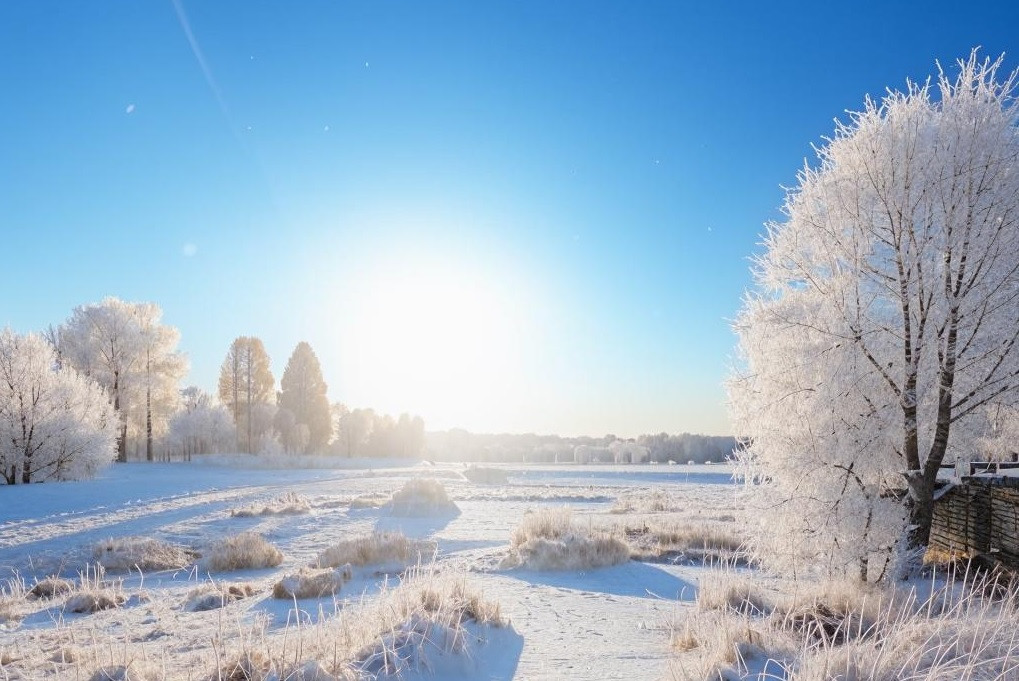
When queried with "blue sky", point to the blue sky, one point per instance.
{"points": [[520, 216]]}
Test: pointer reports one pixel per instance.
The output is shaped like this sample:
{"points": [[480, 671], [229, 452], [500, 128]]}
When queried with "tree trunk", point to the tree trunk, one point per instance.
{"points": [[250, 450], [148, 424], [122, 436]]}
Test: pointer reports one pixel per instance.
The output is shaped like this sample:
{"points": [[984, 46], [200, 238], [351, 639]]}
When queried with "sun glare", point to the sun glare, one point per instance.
{"points": [[439, 342]]}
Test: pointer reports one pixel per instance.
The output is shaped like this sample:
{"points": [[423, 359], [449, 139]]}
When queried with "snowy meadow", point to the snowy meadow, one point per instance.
{"points": [[203, 571]]}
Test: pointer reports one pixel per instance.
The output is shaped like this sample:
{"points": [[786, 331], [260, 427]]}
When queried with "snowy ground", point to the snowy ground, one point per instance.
{"points": [[608, 623]]}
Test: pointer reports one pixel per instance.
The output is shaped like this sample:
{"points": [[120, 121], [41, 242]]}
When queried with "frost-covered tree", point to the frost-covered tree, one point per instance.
{"points": [[162, 368], [103, 341], [303, 394], [246, 381], [200, 427], [55, 424], [884, 319], [127, 349], [353, 428]]}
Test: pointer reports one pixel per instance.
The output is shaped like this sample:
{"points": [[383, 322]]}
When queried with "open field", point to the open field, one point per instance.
{"points": [[188, 617]]}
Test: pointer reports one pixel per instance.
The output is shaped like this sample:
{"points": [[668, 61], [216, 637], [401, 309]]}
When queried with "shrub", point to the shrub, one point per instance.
{"points": [[51, 587], [551, 540], [374, 549], [141, 553], [212, 596], [94, 600], [244, 551], [312, 583], [421, 497], [288, 503]]}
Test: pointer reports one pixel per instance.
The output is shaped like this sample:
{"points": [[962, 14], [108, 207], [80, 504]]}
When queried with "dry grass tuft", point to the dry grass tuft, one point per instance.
{"points": [[67, 655], [94, 600], [244, 551], [249, 666], [213, 595], [378, 548], [134, 671], [645, 501], [720, 591], [840, 630], [51, 587], [664, 539], [421, 497], [425, 615], [288, 503], [312, 583], [551, 540], [141, 553], [371, 500]]}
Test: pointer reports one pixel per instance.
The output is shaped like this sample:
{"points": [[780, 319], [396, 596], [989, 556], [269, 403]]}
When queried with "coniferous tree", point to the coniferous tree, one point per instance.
{"points": [[303, 394]]}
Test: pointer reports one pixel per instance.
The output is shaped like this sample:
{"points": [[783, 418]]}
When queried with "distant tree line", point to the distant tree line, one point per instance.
{"points": [[460, 445], [105, 384]]}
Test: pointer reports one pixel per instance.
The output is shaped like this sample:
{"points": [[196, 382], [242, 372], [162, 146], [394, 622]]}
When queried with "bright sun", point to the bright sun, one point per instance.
{"points": [[438, 342]]}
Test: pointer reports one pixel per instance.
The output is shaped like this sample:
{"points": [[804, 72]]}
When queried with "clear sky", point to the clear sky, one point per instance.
{"points": [[506, 216]]}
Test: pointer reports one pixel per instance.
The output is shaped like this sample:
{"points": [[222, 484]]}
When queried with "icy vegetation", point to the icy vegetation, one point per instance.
{"points": [[142, 554], [244, 551], [421, 497], [288, 503], [847, 630], [380, 549], [352, 594], [552, 540]]}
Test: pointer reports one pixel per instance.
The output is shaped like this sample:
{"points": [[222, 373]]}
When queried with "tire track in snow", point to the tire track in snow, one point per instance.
{"points": [[18, 533]]}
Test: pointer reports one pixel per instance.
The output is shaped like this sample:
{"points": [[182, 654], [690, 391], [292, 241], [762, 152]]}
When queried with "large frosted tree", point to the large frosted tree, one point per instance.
{"points": [[127, 349], [884, 321], [55, 424], [245, 382], [161, 367], [303, 394]]}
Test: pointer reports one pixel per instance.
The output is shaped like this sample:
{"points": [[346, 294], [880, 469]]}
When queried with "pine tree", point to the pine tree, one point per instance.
{"points": [[303, 393]]}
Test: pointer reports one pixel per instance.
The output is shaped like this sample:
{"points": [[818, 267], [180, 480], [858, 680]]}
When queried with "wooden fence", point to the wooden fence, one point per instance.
{"points": [[980, 518]]}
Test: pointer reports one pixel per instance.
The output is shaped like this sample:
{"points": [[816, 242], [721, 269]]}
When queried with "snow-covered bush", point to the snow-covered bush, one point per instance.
{"points": [[424, 619], [243, 551], [124, 554], [94, 599], [288, 503], [421, 497], [55, 424], [215, 595], [379, 548], [551, 540], [51, 587], [312, 583]]}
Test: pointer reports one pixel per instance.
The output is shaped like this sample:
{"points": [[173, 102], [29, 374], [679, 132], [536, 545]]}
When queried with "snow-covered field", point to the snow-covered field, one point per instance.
{"points": [[604, 623]]}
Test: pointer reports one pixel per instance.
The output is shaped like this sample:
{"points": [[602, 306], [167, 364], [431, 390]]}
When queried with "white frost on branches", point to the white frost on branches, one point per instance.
{"points": [[55, 424], [884, 321]]}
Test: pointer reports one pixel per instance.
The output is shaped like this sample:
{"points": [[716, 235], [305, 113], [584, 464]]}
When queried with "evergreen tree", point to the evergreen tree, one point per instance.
{"points": [[303, 393]]}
